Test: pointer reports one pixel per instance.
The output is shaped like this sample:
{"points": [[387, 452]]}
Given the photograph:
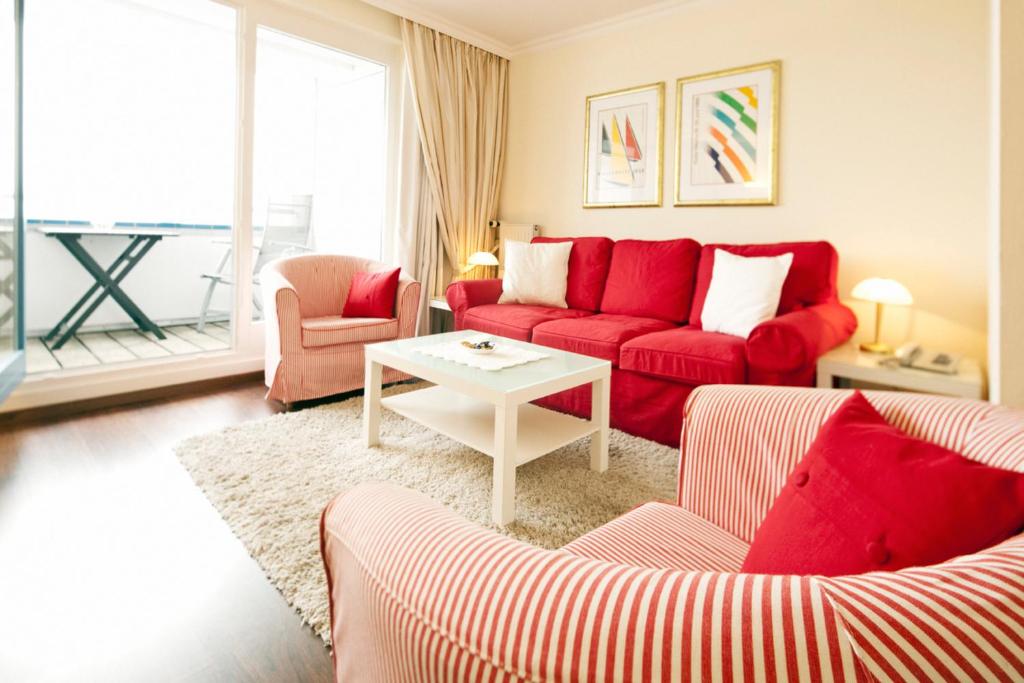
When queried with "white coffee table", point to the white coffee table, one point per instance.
{"points": [[490, 411]]}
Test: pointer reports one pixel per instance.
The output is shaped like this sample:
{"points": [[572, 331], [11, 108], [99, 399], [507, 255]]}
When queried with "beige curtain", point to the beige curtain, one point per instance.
{"points": [[426, 251], [461, 98], [418, 239]]}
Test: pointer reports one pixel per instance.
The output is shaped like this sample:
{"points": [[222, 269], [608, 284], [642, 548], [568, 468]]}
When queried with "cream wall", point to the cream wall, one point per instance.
{"points": [[1008, 281], [884, 123]]}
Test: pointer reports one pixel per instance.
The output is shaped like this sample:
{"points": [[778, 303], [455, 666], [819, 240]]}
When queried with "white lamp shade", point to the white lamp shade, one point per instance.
{"points": [[881, 290], [483, 258]]}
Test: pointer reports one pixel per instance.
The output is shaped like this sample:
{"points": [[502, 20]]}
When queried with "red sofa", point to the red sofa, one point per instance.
{"points": [[637, 304]]}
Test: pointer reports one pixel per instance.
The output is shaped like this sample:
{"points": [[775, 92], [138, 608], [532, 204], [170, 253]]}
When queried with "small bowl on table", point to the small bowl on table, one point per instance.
{"points": [[478, 346]]}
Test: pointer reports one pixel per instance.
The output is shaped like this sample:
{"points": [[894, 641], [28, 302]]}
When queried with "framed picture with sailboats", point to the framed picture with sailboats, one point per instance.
{"points": [[623, 135]]}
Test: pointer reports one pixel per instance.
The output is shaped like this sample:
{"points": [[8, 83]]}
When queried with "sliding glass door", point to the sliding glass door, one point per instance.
{"points": [[320, 150], [173, 147], [12, 341], [130, 180]]}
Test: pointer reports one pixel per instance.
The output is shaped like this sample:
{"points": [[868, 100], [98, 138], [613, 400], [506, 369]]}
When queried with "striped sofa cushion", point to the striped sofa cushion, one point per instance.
{"points": [[331, 330], [663, 536]]}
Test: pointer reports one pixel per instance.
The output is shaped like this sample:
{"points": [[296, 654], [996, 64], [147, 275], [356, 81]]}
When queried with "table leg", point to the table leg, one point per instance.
{"points": [[106, 284], [371, 402], [7, 292], [825, 380], [85, 298], [600, 407], [506, 426]]}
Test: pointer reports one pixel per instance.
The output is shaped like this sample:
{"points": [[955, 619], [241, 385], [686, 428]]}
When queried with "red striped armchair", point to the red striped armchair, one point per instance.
{"points": [[418, 593], [311, 349]]}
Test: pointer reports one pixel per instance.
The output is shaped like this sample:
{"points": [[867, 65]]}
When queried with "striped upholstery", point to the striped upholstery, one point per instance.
{"points": [[418, 594], [334, 329], [962, 620], [663, 536], [300, 292], [739, 443]]}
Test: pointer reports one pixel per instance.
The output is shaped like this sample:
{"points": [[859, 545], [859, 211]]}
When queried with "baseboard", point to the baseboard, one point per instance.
{"points": [[89, 384], [66, 409]]}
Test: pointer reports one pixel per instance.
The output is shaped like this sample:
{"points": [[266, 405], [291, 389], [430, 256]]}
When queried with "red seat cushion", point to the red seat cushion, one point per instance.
{"points": [[811, 279], [689, 355], [372, 295], [599, 336], [868, 496], [651, 279], [515, 321], [588, 270]]}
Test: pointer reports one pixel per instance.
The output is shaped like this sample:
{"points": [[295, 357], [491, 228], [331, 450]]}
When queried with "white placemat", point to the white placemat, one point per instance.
{"points": [[503, 356]]}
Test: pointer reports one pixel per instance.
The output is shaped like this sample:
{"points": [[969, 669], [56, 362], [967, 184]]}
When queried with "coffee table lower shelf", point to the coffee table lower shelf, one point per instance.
{"points": [[492, 412], [471, 422]]}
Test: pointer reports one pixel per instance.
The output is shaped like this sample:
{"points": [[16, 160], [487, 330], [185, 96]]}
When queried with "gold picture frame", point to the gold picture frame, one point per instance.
{"points": [[617, 165], [708, 180]]}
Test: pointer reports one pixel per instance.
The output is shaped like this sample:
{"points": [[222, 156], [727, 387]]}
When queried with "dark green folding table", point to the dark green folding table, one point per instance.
{"points": [[107, 280], [7, 281]]}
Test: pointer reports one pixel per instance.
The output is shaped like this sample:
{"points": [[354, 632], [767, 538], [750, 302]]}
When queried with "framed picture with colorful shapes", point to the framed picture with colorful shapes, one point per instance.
{"points": [[727, 137], [623, 135]]}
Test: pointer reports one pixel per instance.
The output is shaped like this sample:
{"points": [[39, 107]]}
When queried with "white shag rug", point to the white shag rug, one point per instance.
{"points": [[271, 478]]}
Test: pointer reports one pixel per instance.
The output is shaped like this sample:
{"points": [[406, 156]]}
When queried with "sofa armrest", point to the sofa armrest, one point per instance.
{"points": [[465, 294], [796, 340], [407, 306], [418, 593], [282, 327]]}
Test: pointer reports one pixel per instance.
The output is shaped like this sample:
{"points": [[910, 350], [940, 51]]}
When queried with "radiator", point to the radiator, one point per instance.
{"points": [[516, 232]]}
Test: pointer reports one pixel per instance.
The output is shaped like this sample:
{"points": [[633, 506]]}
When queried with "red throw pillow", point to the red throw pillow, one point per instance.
{"points": [[868, 497], [372, 295]]}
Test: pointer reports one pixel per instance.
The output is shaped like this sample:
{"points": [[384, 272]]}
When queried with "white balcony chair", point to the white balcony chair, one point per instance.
{"points": [[287, 233]]}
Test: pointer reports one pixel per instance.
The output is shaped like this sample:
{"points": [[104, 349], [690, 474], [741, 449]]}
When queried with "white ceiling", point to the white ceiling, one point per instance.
{"points": [[510, 26]]}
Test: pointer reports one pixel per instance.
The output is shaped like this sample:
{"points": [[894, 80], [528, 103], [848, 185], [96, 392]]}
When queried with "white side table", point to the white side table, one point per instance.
{"points": [[848, 363], [440, 303], [441, 318]]}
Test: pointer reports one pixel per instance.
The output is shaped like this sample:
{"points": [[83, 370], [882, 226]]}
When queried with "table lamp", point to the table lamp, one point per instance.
{"points": [[480, 258], [880, 291]]}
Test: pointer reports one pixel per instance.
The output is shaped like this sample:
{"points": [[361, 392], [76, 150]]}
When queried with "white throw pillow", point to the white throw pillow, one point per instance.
{"points": [[744, 292], [536, 273]]}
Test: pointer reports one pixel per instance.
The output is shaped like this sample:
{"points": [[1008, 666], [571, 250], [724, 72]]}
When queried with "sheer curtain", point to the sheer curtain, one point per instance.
{"points": [[460, 96], [418, 245]]}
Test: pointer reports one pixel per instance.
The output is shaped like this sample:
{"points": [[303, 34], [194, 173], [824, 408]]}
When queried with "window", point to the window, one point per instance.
{"points": [[130, 115], [321, 139], [213, 125], [12, 356]]}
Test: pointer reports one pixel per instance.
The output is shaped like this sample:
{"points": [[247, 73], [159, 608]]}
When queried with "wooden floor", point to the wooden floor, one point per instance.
{"points": [[117, 346], [115, 567]]}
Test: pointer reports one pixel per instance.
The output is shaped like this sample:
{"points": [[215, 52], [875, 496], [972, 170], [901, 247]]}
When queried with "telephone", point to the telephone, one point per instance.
{"points": [[911, 355]]}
